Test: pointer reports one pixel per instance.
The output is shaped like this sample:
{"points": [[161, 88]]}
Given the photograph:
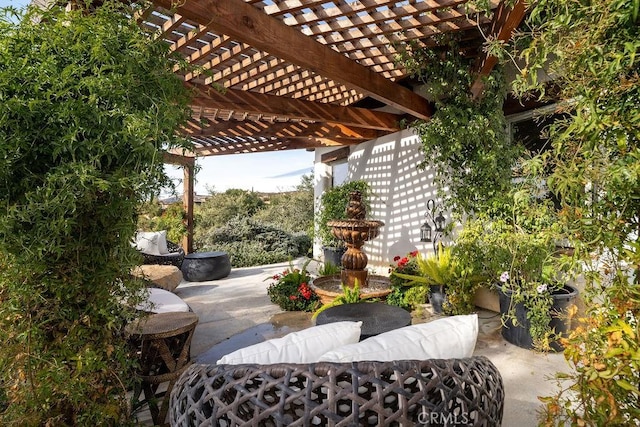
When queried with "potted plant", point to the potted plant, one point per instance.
{"points": [[520, 261], [333, 205], [402, 294], [291, 289], [434, 273]]}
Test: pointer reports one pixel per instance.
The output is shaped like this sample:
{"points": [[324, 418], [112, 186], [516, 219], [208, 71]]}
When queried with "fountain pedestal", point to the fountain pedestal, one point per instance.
{"points": [[352, 277]]}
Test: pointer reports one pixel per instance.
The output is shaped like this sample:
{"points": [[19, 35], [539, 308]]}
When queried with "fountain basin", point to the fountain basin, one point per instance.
{"points": [[355, 231], [330, 287]]}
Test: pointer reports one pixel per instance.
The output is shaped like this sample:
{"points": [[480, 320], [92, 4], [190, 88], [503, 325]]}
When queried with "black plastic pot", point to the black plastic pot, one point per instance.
{"points": [[519, 334], [333, 255], [437, 297]]}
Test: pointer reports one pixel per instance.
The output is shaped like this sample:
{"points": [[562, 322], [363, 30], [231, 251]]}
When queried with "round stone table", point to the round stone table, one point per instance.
{"points": [[376, 317], [204, 266]]}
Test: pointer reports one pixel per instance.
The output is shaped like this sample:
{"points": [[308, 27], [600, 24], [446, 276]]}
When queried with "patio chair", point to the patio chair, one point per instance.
{"points": [[174, 257]]}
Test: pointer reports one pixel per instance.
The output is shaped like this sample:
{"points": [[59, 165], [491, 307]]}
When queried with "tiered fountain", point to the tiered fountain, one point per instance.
{"points": [[354, 231]]}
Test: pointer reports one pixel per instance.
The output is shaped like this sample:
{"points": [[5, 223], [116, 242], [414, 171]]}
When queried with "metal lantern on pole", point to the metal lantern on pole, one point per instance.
{"points": [[434, 216]]}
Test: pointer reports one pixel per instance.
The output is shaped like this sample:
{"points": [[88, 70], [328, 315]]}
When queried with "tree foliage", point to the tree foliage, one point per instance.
{"points": [[87, 101], [591, 51], [291, 211], [220, 208]]}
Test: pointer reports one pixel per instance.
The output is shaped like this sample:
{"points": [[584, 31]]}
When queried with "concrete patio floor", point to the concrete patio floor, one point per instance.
{"points": [[235, 312]]}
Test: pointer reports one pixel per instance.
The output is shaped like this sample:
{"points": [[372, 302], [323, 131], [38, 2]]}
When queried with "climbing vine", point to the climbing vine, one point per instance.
{"points": [[590, 51], [465, 141], [87, 104]]}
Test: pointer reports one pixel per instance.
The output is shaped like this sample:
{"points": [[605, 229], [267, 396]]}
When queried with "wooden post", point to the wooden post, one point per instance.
{"points": [[189, 164], [187, 200]]}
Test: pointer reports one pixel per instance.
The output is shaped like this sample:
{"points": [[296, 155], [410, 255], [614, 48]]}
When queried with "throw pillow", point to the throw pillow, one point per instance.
{"points": [[304, 346], [447, 338], [152, 242]]}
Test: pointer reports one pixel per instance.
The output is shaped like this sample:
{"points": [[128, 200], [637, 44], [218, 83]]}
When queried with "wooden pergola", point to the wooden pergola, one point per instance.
{"points": [[301, 74]]}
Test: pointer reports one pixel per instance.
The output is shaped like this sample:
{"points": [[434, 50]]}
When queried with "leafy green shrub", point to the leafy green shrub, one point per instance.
{"points": [[172, 219], [88, 100], [249, 243], [220, 208]]}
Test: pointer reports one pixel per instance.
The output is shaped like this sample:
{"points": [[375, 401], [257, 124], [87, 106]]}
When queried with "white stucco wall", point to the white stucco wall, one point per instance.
{"points": [[401, 191]]}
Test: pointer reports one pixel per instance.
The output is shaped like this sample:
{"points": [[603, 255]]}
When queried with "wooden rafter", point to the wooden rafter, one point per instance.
{"points": [[246, 23], [252, 147], [293, 69], [299, 129], [505, 20], [294, 108]]}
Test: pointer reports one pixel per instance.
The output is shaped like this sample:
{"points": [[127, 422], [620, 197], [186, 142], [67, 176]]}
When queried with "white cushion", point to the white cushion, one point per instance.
{"points": [[152, 242], [446, 338], [163, 301], [304, 346]]}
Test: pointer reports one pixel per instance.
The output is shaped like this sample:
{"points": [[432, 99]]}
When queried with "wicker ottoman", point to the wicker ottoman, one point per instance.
{"points": [[204, 266]]}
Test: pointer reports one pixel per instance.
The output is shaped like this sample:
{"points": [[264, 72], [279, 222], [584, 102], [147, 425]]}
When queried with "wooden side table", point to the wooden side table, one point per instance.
{"points": [[163, 343]]}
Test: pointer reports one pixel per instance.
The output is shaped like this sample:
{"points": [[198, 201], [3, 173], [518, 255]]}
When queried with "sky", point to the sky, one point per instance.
{"points": [[14, 3], [263, 172]]}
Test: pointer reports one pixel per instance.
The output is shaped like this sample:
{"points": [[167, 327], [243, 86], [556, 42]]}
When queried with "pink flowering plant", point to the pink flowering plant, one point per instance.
{"points": [[291, 290]]}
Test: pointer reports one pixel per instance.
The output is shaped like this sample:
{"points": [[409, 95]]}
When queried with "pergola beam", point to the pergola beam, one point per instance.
{"points": [[252, 147], [505, 21], [249, 128], [257, 103], [242, 21]]}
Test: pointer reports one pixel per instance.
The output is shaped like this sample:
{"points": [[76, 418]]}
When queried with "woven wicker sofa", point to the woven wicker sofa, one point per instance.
{"points": [[433, 392]]}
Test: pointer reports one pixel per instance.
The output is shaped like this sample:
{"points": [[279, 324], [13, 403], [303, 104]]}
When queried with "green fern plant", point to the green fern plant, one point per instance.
{"points": [[434, 270], [328, 269]]}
